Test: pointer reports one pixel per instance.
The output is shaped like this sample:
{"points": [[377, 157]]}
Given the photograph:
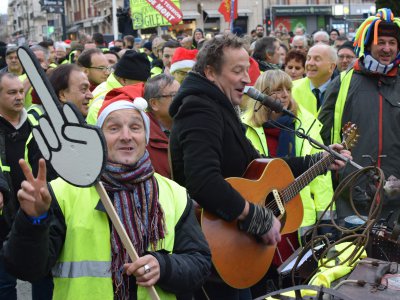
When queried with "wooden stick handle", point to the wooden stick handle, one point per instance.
{"points": [[121, 231]]}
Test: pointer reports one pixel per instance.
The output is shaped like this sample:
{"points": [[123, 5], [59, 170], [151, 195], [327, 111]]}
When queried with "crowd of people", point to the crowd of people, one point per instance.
{"points": [[177, 122]]}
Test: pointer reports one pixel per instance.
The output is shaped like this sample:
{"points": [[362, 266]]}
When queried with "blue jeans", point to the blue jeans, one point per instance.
{"points": [[41, 290]]}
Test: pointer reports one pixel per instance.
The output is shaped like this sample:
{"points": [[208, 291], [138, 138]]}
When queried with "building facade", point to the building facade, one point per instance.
{"points": [[27, 21]]}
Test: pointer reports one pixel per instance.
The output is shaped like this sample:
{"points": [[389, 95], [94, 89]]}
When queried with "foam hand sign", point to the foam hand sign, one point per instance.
{"points": [[75, 150]]}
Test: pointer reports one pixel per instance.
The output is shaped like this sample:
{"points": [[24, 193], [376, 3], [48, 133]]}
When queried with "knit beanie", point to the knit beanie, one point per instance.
{"points": [[386, 29], [133, 66], [127, 97], [198, 30], [382, 24], [183, 58], [148, 46]]}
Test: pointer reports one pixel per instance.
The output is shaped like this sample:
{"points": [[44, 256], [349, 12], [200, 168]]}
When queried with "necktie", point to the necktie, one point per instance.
{"points": [[317, 94]]}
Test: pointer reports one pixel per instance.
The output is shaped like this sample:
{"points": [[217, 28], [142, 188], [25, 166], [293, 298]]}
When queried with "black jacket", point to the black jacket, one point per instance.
{"points": [[32, 250], [12, 148], [208, 144]]}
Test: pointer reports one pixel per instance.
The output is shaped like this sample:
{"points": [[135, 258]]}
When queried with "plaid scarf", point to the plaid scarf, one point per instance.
{"points": [[134, 191]]}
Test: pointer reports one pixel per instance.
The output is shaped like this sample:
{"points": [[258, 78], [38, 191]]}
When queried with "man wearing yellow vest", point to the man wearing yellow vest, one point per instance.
{"points": [[16, 142], [368, 95], [132, 68], [320, 64], [73, 236]]}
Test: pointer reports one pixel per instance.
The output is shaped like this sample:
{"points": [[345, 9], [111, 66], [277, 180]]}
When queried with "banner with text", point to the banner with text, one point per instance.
{"points": [[153, 13]]}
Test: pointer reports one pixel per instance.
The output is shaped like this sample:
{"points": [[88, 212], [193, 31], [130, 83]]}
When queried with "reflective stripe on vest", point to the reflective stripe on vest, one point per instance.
{"points": [[26, 153], [88, 240], [35, 108], [82, 269], [345, 79], [4, 168]]}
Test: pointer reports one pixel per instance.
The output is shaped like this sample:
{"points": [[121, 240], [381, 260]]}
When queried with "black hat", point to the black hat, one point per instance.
{"points": [[198, 30], [133, 66], [346, 45], [386, 29], [147, 45]]}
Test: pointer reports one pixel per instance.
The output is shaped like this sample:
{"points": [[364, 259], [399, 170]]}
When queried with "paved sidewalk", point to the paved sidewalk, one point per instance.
{"points": [[24, 290]]}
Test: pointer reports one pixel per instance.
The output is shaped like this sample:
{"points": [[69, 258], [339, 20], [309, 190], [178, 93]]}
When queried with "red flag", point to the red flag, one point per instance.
{"points": [[225, 9]]}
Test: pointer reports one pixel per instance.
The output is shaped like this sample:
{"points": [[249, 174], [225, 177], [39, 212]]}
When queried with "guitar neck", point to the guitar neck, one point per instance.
{"points": [[304, 179]]}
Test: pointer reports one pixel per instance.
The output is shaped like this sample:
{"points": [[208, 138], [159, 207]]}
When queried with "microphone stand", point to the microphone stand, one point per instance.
{"points": [[327, 149]]}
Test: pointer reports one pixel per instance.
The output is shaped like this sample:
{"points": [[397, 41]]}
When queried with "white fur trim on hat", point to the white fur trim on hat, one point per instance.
{"points": [[138, 103], [182, 64]]}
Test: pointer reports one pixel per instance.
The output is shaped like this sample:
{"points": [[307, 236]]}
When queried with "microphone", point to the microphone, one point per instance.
{"points": [[274, 105]]}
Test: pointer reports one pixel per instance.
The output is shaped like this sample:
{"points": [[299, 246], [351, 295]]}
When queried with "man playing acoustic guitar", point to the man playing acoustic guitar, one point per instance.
{"points": [[208, 144]]}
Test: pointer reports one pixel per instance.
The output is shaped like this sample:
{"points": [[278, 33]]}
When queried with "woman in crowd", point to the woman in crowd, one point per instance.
{"points": [[262, 130], [295, 64]]}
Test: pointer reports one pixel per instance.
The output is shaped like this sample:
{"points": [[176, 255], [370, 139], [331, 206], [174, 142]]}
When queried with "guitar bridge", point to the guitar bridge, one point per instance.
{"points": [[278, 201]]}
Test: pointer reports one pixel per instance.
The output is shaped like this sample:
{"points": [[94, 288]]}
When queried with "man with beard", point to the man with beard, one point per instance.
{"points": [[259, 31], [368, 95]]}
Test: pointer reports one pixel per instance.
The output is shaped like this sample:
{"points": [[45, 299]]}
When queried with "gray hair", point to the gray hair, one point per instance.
{"points": [[155, 85], [331, 51], [35, 48], [302, 38], [263, 46], [8, 75], [322, 34]]}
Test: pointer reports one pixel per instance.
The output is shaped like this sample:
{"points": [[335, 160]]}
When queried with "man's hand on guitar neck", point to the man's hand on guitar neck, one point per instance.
{"points": [[338, 164], [261, 222]]}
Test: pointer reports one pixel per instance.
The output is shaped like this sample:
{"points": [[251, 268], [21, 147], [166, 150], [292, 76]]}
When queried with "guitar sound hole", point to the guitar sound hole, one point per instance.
{"points": [[271, 204]]}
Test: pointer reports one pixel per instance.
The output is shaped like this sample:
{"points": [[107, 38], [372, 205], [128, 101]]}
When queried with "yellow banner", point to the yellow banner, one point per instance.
{"points": [[145, 16]]}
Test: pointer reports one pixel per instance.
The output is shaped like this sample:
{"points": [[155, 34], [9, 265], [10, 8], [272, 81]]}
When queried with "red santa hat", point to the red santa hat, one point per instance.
{"points": [[130, 96], [183, 58]]}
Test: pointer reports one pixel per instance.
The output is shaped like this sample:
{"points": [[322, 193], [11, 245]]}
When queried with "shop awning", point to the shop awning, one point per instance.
{"points": [[74, 28], [98, 20], [190, 14], [244, 12], [212, 13]]}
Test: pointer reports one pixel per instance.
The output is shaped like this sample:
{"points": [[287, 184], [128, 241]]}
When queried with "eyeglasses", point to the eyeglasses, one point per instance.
{"points": [[180, 73], [349, 57], [108, 69], [172, 95]]}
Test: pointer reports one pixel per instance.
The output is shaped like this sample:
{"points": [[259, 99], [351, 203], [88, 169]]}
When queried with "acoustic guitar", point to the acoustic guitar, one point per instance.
{"points": [[238, 257]]}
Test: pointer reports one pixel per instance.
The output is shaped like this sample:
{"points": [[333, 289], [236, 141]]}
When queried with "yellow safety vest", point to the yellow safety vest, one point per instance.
{"points": [[83, 269], [303, 95], [99, 94], [317, 195], [345, 79]]}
